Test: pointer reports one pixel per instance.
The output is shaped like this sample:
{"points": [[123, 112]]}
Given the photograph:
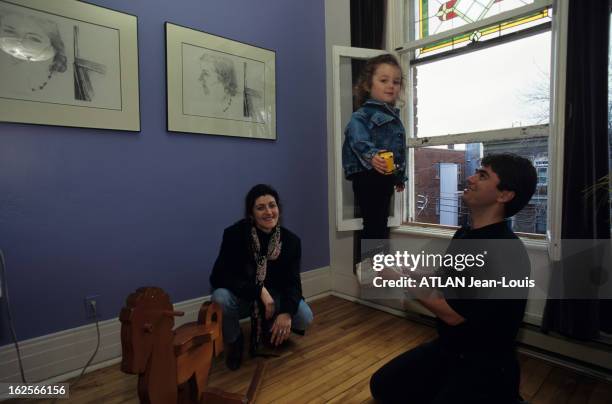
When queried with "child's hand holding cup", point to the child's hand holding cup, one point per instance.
{"points": [[389, 165]]}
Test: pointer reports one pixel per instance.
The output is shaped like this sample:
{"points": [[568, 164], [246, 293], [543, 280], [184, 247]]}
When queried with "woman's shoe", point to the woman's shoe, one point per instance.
{"points": [[233, 353]]}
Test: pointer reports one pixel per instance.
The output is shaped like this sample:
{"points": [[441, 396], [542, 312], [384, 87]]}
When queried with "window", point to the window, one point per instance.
{"points": [[542, 175], [500, 87], [440, 198], [437, 17], [479, 76]]}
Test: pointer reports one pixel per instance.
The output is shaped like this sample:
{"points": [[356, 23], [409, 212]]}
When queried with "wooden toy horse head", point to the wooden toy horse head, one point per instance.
{"points": [[146, 340], [145, 314]]}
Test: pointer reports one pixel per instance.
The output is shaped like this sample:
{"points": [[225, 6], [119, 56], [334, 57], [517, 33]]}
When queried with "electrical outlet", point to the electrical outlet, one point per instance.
{"points": [[92, 306]]}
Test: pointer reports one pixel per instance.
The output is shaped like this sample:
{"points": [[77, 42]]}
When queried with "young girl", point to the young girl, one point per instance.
{"points": [[374, 128]]}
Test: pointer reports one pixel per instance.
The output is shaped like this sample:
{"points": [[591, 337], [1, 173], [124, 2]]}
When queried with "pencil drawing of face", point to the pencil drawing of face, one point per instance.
{"points": [[31, 51], [218, 78], [32, 39]]}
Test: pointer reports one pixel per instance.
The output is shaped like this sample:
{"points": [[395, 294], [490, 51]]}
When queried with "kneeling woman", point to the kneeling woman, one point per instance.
{"points": [[257, 273]]}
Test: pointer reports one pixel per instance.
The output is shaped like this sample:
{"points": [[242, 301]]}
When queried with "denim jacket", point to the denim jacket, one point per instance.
{"points": [[374, 127]]}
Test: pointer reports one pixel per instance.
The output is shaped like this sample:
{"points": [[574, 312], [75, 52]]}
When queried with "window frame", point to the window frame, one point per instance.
{"points": [[400, 17], [354, 223]]}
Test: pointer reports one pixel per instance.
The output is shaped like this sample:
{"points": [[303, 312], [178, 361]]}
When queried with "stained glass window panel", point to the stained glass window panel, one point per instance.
{"points": [[437, 16]]}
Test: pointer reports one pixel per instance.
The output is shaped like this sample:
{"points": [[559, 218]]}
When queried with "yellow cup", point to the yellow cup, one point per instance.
{"points": [[388, 157]]}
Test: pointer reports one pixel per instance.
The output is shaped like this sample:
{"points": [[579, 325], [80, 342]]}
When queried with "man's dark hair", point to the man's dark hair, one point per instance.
{"points": [[255, 192], [515, 174]]}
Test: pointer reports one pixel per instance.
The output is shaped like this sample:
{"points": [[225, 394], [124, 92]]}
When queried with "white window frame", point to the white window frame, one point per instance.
{"points": [[400, 18]]}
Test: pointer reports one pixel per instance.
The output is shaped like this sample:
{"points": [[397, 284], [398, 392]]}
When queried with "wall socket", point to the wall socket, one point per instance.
{"points": [[92, 306]]}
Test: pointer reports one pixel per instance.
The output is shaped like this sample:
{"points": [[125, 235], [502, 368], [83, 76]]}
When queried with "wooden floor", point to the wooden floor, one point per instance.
{"points": [[333, 364]]}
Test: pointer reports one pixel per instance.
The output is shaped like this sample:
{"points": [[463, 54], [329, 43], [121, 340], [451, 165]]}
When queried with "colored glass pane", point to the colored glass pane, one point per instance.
{"points": [[436, 16]]}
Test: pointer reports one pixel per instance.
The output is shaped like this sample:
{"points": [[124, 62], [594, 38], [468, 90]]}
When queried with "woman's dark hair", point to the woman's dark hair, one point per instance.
{"points": [[255, 192], [515, 174], [361, 90]]}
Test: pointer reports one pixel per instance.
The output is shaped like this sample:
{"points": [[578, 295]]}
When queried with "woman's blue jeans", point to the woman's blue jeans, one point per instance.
{"points": [[235, 308]]}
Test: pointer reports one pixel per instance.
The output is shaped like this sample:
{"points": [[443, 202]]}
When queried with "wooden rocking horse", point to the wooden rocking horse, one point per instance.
{"points": [[173, 366]]}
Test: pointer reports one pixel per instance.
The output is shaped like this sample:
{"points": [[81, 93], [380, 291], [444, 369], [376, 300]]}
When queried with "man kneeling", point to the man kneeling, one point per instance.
{"points": [[473, 360]]}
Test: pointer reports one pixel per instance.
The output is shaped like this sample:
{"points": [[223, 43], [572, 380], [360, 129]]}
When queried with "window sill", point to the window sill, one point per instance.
{"points": [[535, 244]]}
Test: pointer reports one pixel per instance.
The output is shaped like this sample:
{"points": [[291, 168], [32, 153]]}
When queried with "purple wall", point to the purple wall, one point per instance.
{"points": [[87, 211]]}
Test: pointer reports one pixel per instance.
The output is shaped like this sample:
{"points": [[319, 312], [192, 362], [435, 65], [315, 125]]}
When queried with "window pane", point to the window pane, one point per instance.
{"points": [[485, 34], [436, 16], [440, 175], [497, 87]]}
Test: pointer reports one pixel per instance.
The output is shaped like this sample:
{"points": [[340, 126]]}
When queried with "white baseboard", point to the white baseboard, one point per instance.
{"points": [[582, 352], [316, 282], [60, 356]]}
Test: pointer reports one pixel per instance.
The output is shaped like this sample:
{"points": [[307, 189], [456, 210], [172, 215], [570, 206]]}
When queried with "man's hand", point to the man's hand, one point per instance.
{"points": [[438, 305], [414, 292], [281, 329], [268, 302], [390, 274]]}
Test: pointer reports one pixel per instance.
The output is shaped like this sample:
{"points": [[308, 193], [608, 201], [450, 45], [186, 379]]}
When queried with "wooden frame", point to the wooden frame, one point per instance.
{"points": [[68, 63], [219, 86]]}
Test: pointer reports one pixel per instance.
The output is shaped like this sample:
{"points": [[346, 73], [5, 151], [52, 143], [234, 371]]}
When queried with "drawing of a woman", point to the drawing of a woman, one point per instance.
{"points": [[218, 80], [32, 52]]}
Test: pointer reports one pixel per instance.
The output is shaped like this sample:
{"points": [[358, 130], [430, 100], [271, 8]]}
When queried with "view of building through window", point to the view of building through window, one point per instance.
{"points": [[440, 176]]}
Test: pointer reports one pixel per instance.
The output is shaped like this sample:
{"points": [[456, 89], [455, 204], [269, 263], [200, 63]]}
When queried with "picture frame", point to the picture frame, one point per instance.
{"points": [[219, 86], [68, 63]]}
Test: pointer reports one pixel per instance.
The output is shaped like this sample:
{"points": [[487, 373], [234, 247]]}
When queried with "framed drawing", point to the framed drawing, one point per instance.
{"points": [[68, 63], [218, 86]]}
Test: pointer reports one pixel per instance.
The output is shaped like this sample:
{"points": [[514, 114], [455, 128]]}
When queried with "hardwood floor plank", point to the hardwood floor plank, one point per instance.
{"points": [[583, 391], [533, 374], [345, 357], [601, 394], [558, 387]]}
